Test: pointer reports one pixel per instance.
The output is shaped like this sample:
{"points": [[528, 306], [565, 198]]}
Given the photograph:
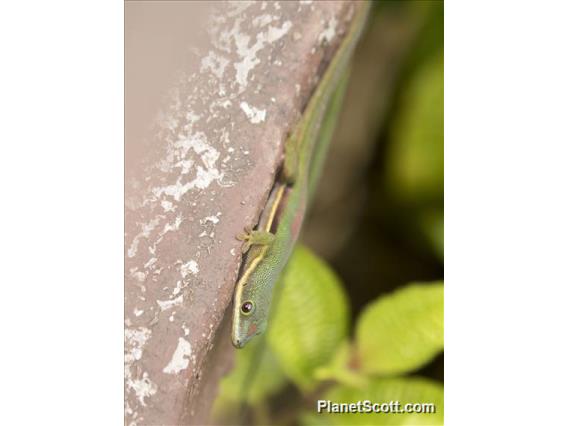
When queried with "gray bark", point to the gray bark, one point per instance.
{"points": [[212, 91]]}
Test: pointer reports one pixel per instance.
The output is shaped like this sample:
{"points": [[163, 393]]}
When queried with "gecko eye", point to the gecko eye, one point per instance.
{"points": [[247, 307]]}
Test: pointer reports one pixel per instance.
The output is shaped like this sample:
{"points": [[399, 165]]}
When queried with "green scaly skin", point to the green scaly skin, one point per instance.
{"points": [[269, 247]]}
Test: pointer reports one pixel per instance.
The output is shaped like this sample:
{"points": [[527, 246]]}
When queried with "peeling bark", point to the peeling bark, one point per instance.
{"points": [[200, 164]]}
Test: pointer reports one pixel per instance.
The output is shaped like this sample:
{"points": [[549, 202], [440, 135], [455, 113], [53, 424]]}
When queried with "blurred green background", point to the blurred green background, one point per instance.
{"points": [[359, 314]]}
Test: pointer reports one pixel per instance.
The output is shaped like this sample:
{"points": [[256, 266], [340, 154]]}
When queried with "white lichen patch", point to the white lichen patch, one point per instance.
{"points": [[168, 206], [168, 227], [138, 275], [168, 304], [141, 385], [177, 288], [329, 32], [263, 20], [144, 233], [226, 103], [205, 173], [255, 115], [150, 263], [214, 63], [135, 341], [185, 329], [248, 52], [180, 358], [238, 7], [191, 119], [214, 219], [188, 268]]}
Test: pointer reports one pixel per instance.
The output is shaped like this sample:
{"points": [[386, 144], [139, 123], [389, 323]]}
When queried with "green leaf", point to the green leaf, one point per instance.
{"points": [[413, 390], [309, 319], [431, 222], [415, 163], [255, 377], [401, 332], [340, 370]]}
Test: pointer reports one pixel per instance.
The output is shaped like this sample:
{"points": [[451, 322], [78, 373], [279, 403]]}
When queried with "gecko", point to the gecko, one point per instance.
{"points": [[267, 248]]}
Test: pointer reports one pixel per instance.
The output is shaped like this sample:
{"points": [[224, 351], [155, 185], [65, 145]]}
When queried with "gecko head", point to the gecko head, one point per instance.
{"points": [[249, 320]]}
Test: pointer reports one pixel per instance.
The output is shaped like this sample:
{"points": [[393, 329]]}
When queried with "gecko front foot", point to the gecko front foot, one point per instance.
{"points": [[252, 237]]}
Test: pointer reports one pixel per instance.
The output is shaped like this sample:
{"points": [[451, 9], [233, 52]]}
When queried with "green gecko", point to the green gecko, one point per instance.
{"points": [[269, 247]]}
